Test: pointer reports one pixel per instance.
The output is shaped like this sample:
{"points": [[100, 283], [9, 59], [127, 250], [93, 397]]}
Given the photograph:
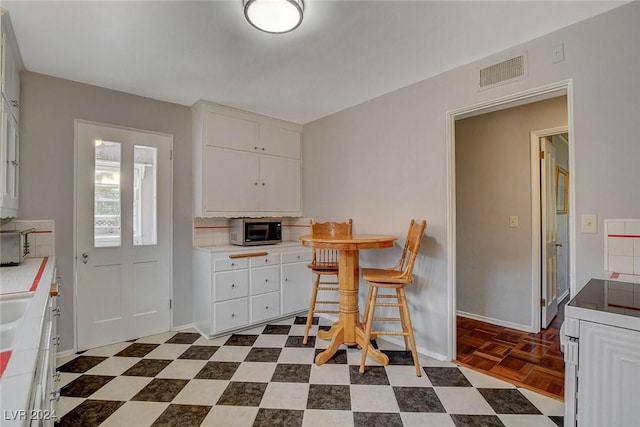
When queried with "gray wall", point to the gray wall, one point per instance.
{"points": [[49, 108], [385, 161], [493, 182]]}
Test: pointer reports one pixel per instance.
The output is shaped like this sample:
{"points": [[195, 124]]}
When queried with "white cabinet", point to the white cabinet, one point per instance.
{"points": [[296, 281], [238, 288], [244, 164], [9, 116]]}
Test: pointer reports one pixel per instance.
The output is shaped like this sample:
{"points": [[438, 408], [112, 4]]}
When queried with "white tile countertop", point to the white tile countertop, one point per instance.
{"points": [[31, 280]]}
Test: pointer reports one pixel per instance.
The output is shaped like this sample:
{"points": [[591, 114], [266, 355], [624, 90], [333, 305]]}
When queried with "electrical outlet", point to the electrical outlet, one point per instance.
{"points": [[589, 224], [513, 221]]}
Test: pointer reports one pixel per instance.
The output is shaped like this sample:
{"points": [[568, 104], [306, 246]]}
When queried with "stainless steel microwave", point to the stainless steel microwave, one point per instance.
{"points": [[255, 231]]}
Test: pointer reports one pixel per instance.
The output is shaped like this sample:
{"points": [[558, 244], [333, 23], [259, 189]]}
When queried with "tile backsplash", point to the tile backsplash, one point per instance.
{"points": [[215, 231], [622, 246], [41, 241]]}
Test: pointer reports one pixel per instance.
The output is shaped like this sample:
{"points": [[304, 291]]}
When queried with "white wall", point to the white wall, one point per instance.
{"points": [[49, 107], [493, 182], [384, 161]]}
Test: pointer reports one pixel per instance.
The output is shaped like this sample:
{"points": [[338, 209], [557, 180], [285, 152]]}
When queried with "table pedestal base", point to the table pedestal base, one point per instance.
{"points": [[336, 335]]}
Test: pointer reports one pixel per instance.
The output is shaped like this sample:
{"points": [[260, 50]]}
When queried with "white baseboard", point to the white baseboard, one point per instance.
{"points": [[183, 327], [564, 295], [65, 353], [518, 326]]}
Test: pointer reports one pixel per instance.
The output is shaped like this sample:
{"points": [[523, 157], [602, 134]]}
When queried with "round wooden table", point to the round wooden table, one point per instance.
{"points": [[348, 329]]}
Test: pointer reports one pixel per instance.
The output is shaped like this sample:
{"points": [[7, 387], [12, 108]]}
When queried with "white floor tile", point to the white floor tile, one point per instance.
{"points": [[354, 356], [297, 355], [135, 414], [405, 376], [230, 416], [418, 419], [230, 353], [256, 372], [201, 392], [330, 374], [480, 380], [463, 400], [62, 360], [182, 369], [66, 404], [113, 366], [546, 405], [121, 388], [373, 398], [66, 378], [167, 351], [156, 339], [322, 418], [212, 342], [107, 350], [271, 341], [252, 331], [526, 421], [298, 330], [285, 396]]}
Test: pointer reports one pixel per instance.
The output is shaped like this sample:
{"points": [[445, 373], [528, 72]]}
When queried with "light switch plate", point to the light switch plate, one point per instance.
{"points": [[513, 221], [589, 224]]}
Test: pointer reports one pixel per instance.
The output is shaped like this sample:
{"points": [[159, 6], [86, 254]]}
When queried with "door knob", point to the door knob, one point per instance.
{"points": [[559, 244], [85, 258]]}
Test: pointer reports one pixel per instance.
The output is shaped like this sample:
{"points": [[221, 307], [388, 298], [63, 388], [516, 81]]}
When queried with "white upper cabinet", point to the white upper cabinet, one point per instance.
{"points": [[244, 164], [11, 64]]}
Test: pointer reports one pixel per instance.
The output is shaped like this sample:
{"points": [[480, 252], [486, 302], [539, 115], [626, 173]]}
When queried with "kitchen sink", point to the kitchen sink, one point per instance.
{"points": [[13, 307]]}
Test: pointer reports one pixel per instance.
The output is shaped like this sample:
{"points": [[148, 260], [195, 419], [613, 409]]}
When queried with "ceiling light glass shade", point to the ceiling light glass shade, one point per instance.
{"points": [[274, 16]]}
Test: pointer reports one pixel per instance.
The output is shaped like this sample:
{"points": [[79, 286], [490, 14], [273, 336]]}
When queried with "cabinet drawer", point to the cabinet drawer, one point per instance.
{"points": [[231, 314], [299, 256], [231, 284], [266, 279], [259, 261], [265, 307], [230, 264]]}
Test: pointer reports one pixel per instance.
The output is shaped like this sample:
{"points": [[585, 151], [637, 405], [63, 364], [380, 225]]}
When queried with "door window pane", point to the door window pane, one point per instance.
{"points": [[107, 197], [145, 195]]}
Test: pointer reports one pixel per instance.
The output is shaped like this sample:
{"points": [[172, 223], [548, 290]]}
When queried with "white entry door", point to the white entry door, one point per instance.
{"points": [[550, 244], [123, 234]]}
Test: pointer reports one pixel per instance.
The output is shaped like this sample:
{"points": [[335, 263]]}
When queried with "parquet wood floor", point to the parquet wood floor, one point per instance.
{"points": [[529, 360]]}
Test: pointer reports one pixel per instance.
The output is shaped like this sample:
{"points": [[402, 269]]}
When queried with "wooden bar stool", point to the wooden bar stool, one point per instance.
{"points": [[324, 263], [395, 278]]}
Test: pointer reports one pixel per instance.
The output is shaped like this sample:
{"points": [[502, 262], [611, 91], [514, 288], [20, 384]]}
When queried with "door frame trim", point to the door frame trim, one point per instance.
{"points": [[77, 122], [511, 100]]}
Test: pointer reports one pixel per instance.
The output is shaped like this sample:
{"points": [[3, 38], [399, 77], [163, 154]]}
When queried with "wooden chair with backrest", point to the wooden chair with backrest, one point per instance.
{"points": [[324, 263], [395, 278]]}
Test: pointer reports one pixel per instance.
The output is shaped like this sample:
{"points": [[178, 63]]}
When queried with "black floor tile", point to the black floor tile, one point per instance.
{"points": [[291, 373], [277, 329], [147, 368], [397, 357], [242, 394], [85, 385], [368, 419], [559, 421], [296, 341], [373, 375], [199, 352], [418, 399], [241, 340], [160, 390], [218, 371], [476, 420], [182, 415], [89, 413], [278, 417], [137, 350], [340, 356], [263, 354], [183, 338], [447, 377], [81, 364], [302, 320], [333, 397], [508, 401]]}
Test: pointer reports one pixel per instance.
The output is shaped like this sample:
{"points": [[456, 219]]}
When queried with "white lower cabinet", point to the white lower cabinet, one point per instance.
{"points": [[239, 288]]}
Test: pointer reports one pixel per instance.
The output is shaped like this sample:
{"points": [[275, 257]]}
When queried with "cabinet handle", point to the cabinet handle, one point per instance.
{"points": [[14, 162], [286, 279], [233, 315], [55, 395], [233, 285], [266, 280], [263, 184], [255, 148], [248, 255], [266, 307], [56, 312], [262, 148], [233, 264], [15, 103], [255, 183]]}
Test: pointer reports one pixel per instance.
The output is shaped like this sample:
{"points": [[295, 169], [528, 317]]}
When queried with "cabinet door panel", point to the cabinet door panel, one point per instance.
{"points": [[279, 184], [279, 142], [231, 181], [232, 132], [265, 307], [609, 374], [296, 287], [231, 284], [265, 279], [231, 314]]}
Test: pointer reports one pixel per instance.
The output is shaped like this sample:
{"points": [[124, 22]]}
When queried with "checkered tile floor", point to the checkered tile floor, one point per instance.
{"points": [[266, 377]]}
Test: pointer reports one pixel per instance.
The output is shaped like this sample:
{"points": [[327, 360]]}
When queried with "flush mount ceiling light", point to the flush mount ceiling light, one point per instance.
{"points": [[274, 16]]}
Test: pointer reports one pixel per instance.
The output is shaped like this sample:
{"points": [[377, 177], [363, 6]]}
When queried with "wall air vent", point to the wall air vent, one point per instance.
{"points": [[503, 72]]}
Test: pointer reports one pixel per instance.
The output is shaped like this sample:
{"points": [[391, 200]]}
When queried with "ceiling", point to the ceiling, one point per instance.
{"points": [[344, 53]]}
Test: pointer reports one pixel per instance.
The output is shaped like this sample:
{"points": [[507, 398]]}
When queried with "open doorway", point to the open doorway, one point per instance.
{"points": [[497, 229]]}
